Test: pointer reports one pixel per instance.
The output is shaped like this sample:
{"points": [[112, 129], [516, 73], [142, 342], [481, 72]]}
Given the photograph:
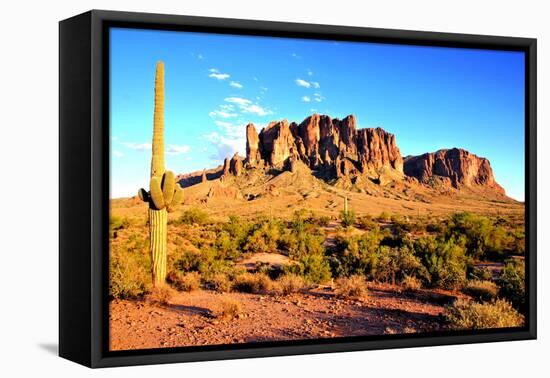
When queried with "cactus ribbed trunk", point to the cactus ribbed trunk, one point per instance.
{"points": [[157, 161], [157, 232], [345, 205], [158, 217]]}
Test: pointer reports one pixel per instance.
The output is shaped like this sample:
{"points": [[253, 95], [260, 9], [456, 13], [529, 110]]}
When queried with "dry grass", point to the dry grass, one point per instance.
{"points": [[220, 282], [466, 314], [481, 290], [230, 309], [252, 283], [185, 281], [289, 284], [354, 287], [411, 283], [161, 295]]}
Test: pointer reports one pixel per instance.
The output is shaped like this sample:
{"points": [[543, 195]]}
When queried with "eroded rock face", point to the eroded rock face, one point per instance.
{"points": [[252, 145], [236, 165], [461, 167], [319, 140]]}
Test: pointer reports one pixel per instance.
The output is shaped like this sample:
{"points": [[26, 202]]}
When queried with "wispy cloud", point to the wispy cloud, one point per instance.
{"points": [[216, 74], [296, 56], [222, 113], [306, 99], [173, 149], [247, 106], [309, 72], [117, 153], [235, 84], [137, 146], [317, 97], [315, 84], [302, 83]]}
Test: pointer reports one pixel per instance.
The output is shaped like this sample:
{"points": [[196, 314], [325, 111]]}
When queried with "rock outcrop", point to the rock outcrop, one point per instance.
{"points": [[460, 167], [324, 143]]}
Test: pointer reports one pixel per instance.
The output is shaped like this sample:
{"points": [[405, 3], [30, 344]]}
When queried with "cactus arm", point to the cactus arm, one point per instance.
{"points": [[176, 200], [157, 198], [143, 195], [157, 160], [168, 186]]}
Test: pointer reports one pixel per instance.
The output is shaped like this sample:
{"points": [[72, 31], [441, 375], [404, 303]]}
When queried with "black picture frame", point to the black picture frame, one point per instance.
{"points": [[84, 186]]}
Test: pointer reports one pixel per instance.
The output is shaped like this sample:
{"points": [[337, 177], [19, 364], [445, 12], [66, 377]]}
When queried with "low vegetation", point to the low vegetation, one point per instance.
{"points": [[469, 314], [354, 287]]}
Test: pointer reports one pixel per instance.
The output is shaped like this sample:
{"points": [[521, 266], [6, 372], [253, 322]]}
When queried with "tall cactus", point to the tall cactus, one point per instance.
{"points": [[164, 194], [346, 205]]}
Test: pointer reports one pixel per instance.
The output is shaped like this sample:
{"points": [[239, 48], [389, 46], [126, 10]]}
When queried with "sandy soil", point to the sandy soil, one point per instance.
{"points": [[193, 318]]}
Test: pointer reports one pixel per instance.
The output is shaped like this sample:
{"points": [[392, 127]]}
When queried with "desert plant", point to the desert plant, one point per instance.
{"points": [[184, 281], [464, 314], [481, 290], [161, 294], [164, 194], [354, 287], [128, 274], [229, 309], [289, 284], [252, 283], [366, 223], [220, 282], [512, 283], [411, 283], [194, 216]]}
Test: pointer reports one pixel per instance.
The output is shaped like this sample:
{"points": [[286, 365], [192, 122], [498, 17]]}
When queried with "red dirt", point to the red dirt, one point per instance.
{"points": [[190, 319]]}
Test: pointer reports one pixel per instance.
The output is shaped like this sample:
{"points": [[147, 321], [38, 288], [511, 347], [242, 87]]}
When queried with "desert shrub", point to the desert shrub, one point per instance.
{"points": [[366, 222], [354, 287], [477, 273], [481, 290], [512, 283], [289, 284], [384, 217], [355, 255], [444, 260], [393, 264], [117, 223], [237, 229], [184, 281], [263, 237], [313, 268], [160, 294], [220, 282], [252, 283], [465, 314], [302, 244], [129, 274], [230, 309], [323, 221], [194, 216], [188, 261], [348, 218], [481, 237], [227, 246], [411, 283]]}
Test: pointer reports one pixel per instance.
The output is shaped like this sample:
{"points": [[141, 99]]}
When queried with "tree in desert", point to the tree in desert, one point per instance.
{"points": [[164, 194]]}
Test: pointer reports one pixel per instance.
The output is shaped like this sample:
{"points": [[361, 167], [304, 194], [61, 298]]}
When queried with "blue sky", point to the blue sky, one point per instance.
{"points": [[430, 97]]}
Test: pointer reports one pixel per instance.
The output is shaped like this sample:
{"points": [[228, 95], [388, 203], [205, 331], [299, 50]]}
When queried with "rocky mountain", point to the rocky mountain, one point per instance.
{"points": [[334, 147], [336, 151], [460, 167]]}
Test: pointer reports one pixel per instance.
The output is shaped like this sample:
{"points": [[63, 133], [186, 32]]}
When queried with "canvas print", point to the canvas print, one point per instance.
{"points": [[270, 189]]}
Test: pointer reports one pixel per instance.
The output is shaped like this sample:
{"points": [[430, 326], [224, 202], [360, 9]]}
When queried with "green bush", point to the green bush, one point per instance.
{"points": [[323, 221], [482, 274], [366, 223], [264, 236], [481, 290], [411, 283], [357, 254], [445, 261], [473, 315], [348, 218], [194, 216], [512, 283]]}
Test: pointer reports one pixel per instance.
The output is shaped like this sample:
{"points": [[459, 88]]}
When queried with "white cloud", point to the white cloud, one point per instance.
{"points": [[226, 145], [223, 113], [309, 73], [238, 100], [216, 74], [138, 146], [256, 109], [294, 55], [117, 153], [315, 84], [223, 123], [303, 83], [213, 70], [173, 149], [306, 99], [317, 97], [235, 84]]}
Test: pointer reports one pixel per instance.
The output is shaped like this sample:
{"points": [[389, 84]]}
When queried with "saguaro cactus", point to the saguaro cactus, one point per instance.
{"points": [[346, 205], [164, 194]]}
